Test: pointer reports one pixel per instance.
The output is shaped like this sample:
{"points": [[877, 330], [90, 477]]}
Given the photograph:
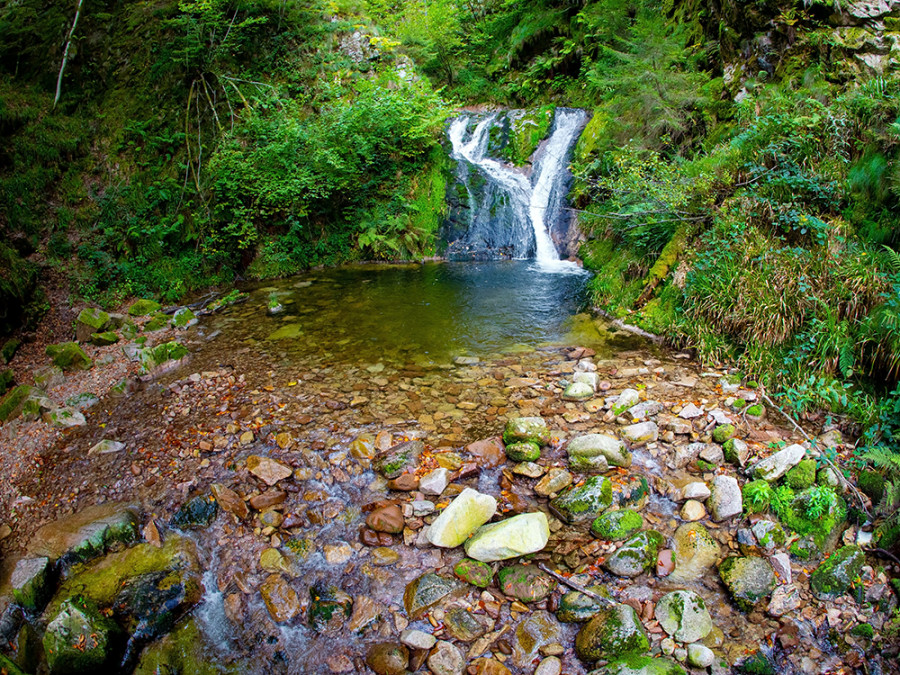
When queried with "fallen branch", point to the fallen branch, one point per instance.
{"points": [[575, 586], [65, 58]]}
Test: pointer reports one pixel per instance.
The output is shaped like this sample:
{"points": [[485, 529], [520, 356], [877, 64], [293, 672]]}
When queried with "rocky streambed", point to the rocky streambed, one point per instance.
{"points": [[262, 505]]}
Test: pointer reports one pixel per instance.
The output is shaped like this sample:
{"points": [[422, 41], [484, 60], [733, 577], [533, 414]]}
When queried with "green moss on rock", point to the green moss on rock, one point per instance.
{"points": [[723, 432], [69, 356], [837, 573], [617, 525], [144, 307], [614, 632], [523, 452], [802, 476], [584, 502]]}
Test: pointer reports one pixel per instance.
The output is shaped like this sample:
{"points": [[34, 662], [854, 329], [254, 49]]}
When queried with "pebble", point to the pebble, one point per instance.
{"points": [[417, 639], [693, 511], [549, 666]]}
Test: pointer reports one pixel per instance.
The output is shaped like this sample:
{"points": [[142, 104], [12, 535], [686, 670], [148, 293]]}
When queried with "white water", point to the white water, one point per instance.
{"points": [[529, 196]]}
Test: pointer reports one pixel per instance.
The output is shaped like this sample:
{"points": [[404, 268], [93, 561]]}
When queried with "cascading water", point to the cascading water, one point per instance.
{"points": [[511, 210]]}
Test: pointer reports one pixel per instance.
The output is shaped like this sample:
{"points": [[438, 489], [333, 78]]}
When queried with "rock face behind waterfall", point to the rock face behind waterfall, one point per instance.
{"points": [[499, 210]]}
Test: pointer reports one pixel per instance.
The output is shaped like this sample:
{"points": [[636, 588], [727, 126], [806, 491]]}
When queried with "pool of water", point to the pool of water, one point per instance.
{"points": [[432, 311]]}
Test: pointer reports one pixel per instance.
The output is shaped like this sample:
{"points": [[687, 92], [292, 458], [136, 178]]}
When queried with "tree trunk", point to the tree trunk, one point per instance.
{"points": [[65, 58]]}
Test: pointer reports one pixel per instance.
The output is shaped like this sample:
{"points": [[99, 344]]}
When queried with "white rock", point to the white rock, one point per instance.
{"points": [[781, 563], [434, 482], [689, 412], [510, 538], [725, 499], [774, 467], [549, 666], [700, 656], [626, 399], [696, 490], [589, 379], [422, 507], [465, 514], [417, 639], [106, 446], [642, 432], [719, 417], [693, 511]]}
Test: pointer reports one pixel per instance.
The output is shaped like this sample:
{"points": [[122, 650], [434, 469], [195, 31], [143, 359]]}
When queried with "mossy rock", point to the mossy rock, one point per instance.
{"points": [[614, 632], [86, 534], [103, 339], [526, 429], [79, 639], [474, 572], [837, 573], [872, 485], [636, 556], [526, 583], [723, 432], [69, 356], [7, 380], [584, 502], [617, 525], [826, 529], [90, 320], [158, 322], [183, 651], [748, 579], [32, 581], [756, 412], [196, 514], [9, 667], [802, 476], [576, 607], [183, 317], [12, 405], [9, 349], [640, 665], [153, 357], [144, 307], [426, 591], [525, 451]]}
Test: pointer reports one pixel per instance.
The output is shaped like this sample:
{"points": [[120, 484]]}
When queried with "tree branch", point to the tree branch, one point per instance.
{"points": [[65, 58]]}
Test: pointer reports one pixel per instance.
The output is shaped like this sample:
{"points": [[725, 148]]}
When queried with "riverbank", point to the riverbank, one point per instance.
{"points": [[322, 510]]}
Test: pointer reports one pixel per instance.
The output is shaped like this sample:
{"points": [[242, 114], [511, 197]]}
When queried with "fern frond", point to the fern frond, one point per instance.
{"points": [[893, 258], [884, 458]]}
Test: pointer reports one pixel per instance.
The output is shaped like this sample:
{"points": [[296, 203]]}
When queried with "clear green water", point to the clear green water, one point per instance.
{"points": [[420, 312]]}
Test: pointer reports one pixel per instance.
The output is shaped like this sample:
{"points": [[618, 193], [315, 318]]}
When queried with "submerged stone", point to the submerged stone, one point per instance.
{"points": [[398, 459], [510, 538], [463, 516], [526, 583], [684, 616], [576, 607], [280, 598], [388, 658], [196, 513], [615, 631], [426, 591], [526, 429], [635, 556], [474, 572], [584, 502], [329, 607]]}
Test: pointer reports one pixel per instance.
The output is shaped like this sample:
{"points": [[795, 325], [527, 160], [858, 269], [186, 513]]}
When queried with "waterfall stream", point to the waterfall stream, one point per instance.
{"points": [[512, 210]]}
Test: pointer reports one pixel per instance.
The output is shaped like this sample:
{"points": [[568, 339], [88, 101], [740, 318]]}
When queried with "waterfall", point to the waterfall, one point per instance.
{"points": [[510, 211]]}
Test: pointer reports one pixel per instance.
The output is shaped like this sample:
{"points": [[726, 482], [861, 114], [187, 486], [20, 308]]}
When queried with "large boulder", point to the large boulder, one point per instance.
{"points": [[86, 534], [640, 665], [144, 307], [684, 616], [595, 453], [90, 320], [613, 632], [465, 514], [584, 502], [69, 356], [510, 538], [79, 639]]}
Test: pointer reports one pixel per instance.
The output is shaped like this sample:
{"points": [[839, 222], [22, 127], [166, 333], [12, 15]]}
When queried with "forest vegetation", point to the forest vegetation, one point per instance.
{"points": [[738, 183]]}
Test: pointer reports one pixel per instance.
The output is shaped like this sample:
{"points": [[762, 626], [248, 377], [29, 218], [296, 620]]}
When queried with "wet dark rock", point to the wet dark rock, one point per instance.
{"points": [[463, 625], [280, 598], [488, 452], [576, 607], [31, 582], [195, 514], [584, 502], [386, 519]]}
